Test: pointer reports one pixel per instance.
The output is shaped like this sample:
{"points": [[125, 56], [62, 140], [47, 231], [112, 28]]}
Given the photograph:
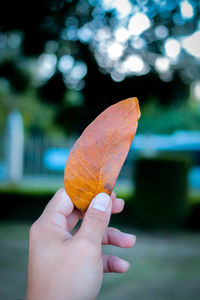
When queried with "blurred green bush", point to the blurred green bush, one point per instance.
{"points": [[161, 191], [27, 204]]}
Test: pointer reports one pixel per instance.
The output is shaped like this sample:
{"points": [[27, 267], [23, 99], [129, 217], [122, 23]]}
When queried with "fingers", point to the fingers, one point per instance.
{"points": [[96, 218], [117, 207], [117, 204], [59, 207], [73, 218], [114, 264], [115, 237]]}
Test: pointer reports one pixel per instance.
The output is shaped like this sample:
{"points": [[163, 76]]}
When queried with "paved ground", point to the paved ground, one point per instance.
{"points": [[163, 267]]}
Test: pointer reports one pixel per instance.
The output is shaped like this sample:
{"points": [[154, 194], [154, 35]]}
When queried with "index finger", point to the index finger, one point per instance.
{"points": [[117, 204]]}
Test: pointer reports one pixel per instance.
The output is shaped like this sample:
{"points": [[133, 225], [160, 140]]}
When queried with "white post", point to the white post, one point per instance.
{"points": [[14, 147]]}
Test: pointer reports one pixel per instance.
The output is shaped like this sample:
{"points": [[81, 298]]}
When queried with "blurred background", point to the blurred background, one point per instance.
{"points": [[62, 62]]}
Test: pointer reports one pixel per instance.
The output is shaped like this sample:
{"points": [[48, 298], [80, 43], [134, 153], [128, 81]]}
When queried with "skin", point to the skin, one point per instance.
{"points": [[65, 266]]}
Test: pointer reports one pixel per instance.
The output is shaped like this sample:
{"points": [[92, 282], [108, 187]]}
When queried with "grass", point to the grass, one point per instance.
{"points": [[163, 266]]}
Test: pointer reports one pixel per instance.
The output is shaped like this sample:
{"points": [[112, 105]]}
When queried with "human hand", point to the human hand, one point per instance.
{"points": [[65, 266]]}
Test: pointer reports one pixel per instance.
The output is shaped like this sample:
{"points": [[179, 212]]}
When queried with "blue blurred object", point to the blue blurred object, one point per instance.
{"points": [[194, 177], [179, 141], [55, 158], [2, 171]]}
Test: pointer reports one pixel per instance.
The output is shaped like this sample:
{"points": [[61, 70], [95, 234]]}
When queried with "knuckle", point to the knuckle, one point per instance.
{"points": [[95, 217], [112, 229]]}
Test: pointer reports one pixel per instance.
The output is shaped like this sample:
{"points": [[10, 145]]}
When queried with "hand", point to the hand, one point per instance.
{"points": [[65, 266]]}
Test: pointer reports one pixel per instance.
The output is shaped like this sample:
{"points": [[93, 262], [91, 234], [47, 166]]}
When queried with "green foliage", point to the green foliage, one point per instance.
{"points": [[14, 71], [73, 98], [161, 191], [38, 40], [37, 116], [27, 203], [165, 120]]}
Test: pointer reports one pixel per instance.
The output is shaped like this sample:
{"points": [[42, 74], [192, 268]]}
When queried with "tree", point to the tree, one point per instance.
{"points": [[108, 50]]}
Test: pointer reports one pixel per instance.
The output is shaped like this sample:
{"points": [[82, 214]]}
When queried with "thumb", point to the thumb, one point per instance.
{"points": [[58, 209], [96, 218]]}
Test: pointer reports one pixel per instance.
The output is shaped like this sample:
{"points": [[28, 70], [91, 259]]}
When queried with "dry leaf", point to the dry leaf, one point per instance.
{"points": [[97, 156]]}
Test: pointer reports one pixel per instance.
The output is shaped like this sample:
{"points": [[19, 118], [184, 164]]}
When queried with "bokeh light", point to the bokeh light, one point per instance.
{"points": [[162, 64], [172, 48], [134, 64], [196, 90], [79, 71], [138, 24], [66, 63], [121, 34], [186, 9], [192, 44], [115, 50], [46, 65]]}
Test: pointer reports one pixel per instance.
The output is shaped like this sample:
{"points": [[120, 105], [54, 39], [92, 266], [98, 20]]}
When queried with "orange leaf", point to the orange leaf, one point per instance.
{"points": [[97, 156]]}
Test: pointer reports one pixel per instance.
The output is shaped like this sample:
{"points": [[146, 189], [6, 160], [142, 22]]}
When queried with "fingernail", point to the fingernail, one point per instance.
{"points": [[133, 236], [101, 201]]}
